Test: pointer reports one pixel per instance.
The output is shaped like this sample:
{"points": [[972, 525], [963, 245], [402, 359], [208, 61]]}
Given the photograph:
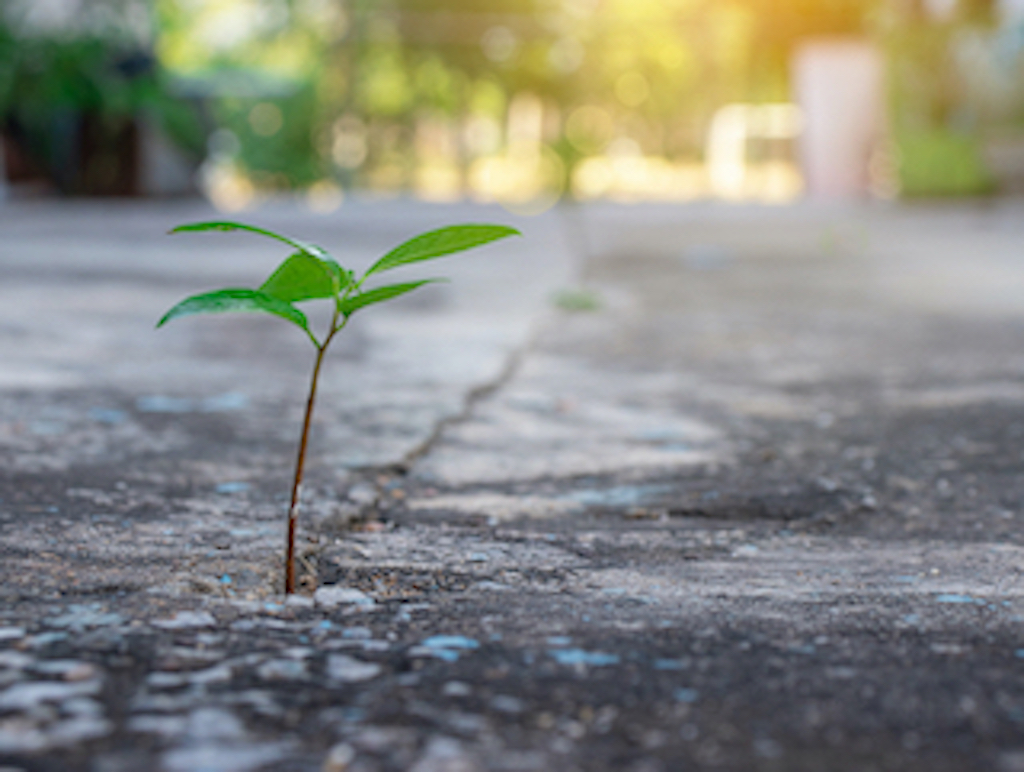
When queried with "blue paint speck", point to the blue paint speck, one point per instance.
{"points": [[559, 640], [669, 664], [450, 642], [158, 403], [233, 487], [950, 598], [232, 400], [686, 695], [108, 416], [581, 657]]}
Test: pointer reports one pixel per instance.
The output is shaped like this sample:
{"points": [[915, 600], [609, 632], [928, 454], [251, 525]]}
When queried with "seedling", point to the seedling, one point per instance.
{"points": [[310, 273]]}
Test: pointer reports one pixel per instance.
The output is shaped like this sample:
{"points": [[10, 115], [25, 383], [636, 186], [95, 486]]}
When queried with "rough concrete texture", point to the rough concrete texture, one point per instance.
{"points": [[759, 511]]}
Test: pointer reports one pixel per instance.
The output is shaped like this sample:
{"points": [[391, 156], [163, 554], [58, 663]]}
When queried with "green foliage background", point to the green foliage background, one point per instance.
{"points": [[652, 71], [390, 62]]}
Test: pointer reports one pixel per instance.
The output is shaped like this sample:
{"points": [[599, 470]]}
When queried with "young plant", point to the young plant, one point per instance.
{"points": [[310, 273]]}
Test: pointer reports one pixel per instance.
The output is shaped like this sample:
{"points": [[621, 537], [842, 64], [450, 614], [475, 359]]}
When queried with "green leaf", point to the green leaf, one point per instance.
{"points": [[304, 277], [229, 300], [339, 276], [379, 295], [224, 225], [441, 242]]}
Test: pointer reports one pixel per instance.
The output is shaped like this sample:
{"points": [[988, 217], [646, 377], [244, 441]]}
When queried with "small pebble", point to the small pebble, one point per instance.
{"points": [[282, 670], [448, 655], [43, 640], [25, 696], [79, 729], [504, 703], [213, 675], [223, 757], [341, 667], [338, 758], [186, 619], [165, 726], [79, 617], [333, 595], [456, 689], [160, 680], [15, 659], [362, 494], [214, 724], [68, 669]]}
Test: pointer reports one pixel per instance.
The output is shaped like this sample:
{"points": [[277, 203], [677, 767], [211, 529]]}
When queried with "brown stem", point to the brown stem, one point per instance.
{"points": [[300, 463]]}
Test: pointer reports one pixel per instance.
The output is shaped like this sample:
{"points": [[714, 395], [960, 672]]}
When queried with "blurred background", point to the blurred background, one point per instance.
{"points": [[521, 102]]}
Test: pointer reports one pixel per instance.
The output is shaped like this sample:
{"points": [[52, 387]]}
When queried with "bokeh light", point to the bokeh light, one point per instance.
{"points": [[508, 99]]}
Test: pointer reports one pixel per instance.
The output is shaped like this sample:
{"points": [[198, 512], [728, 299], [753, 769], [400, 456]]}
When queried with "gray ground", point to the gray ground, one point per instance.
{"points": [[758, 511]]}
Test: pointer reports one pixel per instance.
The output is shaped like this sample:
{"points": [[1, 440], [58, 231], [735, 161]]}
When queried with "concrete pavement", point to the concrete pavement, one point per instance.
{"points": [[758, 511]]}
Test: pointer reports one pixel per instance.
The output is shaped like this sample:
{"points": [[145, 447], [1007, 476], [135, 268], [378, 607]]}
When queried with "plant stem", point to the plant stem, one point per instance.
{"points": [[300, 462]]}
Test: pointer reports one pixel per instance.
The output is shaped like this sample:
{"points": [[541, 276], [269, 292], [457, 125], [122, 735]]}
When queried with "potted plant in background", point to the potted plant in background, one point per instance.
{"points": [[73, 108]]}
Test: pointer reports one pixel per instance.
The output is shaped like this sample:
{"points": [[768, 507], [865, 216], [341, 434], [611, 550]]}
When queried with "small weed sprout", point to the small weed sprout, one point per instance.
{"points": [[310, 273]]}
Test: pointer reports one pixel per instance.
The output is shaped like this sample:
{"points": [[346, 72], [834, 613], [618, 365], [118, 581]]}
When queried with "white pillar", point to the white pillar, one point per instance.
{"points": [[839, 85], [1011, 11]]}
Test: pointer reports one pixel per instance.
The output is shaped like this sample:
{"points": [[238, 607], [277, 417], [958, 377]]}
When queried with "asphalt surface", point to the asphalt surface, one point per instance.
{"points": [[747, 498]]}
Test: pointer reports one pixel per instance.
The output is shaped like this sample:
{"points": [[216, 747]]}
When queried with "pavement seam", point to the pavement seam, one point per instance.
{"points": [[473, 397], [402, 467]]}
